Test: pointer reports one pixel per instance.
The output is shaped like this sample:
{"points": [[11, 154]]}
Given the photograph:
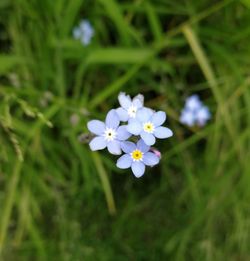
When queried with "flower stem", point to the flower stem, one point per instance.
{"points": [[105, 183]]}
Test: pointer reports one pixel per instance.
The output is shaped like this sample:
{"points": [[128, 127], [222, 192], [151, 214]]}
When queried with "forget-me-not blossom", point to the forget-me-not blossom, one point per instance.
{"points": [[129, 107], [194, 112], [143, 123], [147, 124], [109, 134], [84, 32], [136, 157]]}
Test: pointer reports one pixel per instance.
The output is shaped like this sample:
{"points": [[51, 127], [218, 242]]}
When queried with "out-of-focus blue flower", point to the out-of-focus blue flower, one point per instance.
{"points": [[136, 157], [147, 124], [194, 112], [84, 32], [109, 134], [129, 107]]}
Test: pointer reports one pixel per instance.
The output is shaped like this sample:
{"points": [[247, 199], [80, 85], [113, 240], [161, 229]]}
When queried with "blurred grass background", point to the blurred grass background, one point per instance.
{"points": [[59, 201]]}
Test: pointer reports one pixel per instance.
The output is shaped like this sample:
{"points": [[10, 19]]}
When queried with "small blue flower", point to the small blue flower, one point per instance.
{"points": [[84, 32], [129, 107], [147, 124], [109, 134], [136, 157], [194, 112]]}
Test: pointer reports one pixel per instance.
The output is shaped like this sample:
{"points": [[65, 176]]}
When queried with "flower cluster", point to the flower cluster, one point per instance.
{"points": [[84, 32], [143, 123], [194, 112]]}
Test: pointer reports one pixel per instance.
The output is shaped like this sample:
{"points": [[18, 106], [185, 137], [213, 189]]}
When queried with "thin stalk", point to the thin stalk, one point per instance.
{"points": [[105, 183]]}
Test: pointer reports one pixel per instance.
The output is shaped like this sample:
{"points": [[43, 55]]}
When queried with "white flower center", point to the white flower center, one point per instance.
{"points": [[148, 127], [132, 111], [110, 134], [136, 155]]}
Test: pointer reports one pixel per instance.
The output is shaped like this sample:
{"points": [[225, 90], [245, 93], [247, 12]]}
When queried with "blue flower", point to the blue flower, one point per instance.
{"points": [[109, 134], [84, 32], [147, 124], [129, 107], [136, 157], [194, 112]]}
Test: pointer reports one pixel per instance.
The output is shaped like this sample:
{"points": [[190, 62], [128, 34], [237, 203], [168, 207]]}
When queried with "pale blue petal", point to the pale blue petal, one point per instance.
{"points": [[187, 117], [138, 168], [122, 133], [112, 119], [122, 114], [134, 127], [137, 102], [86, 26], [150, 159], [144, 114], [202, 116], [98, 143], [148, 138], [163, 133], [124, 161], [158, 118], [114, 147], [124, 100], [193, 102], [97, 127], [127, 146], [142, 146], [139, 97]]}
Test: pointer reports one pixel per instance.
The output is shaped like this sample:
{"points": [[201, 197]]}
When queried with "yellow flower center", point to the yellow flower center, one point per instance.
{"points": [[137, 155], [148, 127]]}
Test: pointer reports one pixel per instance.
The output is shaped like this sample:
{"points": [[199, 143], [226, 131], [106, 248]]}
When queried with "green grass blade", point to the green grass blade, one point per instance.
{"points": [[105, 183]]}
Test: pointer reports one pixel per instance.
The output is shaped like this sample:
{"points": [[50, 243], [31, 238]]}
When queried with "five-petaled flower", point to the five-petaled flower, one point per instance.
{"points": [[136, 157], [129, 107], [194, 112], [147, 124], [84, 32], [109, 134]]}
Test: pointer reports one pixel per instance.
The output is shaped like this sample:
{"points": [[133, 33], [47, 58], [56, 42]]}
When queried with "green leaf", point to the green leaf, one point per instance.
{"points": [[246, 3], [115, 14], [118, 56], [8, 63]]}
